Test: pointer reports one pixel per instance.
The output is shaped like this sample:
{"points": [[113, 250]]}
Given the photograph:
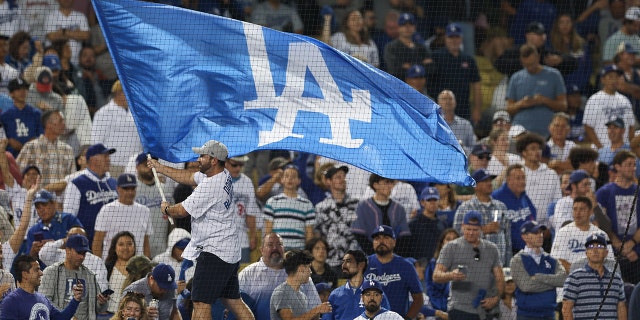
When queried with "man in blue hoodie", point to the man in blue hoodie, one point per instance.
{"points": [[536, 274]]}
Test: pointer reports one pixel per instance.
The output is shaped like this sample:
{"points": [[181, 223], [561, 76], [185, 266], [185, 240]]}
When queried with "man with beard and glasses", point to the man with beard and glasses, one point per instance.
{"points": [[346, 300], [372, 295], [259, 279], [398, 277]]}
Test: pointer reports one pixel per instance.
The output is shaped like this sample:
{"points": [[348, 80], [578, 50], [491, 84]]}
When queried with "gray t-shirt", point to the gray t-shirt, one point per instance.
{"points": [[479, 273], [57, 285], [166, 303], [284, 297]]}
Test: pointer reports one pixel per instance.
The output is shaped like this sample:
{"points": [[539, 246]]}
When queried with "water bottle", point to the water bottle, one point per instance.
{"points": [[153, 304]]}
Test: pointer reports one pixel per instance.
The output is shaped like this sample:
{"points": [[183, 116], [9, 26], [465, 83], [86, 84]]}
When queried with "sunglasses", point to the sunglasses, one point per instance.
{"points": [[477, 256], [484, 157], [235, 165]]}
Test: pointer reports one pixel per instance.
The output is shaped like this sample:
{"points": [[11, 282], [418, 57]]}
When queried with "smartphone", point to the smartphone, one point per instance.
{"points": [[107, 292], [38, 236]]}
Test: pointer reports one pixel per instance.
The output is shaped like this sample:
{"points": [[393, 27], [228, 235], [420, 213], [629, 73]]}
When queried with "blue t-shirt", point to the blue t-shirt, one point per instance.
{"points": [[22, 125], [57, 228], [548, 83], [20, 304], [613, 198], [346, 303], [398, 278]]}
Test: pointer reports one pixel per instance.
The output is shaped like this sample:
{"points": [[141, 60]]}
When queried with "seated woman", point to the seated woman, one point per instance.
{"points": [[132, 306]]}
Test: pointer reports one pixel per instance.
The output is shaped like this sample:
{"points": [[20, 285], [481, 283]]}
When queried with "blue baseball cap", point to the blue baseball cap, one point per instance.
{"points": [[573, 88], [453, 30], [182, 243], [482, 175], [480, 149], [43, 196], [97, 149], [531, 227], [597, 238], [416, 71], [473, 215], [616, 121], [406, 18], [576, 177], [127, 180], [386, 230], [322, 286], [78, 243], [52, 62], [429, 193], [610, 68], [165, 276], [371, 285]]}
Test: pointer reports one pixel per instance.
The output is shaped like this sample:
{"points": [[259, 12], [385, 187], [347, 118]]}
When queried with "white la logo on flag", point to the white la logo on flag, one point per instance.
{"points": [[169, 278], [333, 105]]}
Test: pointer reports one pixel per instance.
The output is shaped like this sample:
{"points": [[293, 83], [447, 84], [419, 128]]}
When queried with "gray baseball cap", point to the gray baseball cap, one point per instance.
{"points": [[213, 148]]}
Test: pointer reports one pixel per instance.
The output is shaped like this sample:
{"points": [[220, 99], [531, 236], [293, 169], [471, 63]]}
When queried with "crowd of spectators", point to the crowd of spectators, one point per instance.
{"points": [[543, 95]]}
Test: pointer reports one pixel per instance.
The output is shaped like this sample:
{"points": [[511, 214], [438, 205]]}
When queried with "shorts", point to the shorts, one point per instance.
{"points": [[214, 279]]}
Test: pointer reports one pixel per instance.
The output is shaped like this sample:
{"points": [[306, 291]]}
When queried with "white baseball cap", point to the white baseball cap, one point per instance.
{"points": [[633, 14]]}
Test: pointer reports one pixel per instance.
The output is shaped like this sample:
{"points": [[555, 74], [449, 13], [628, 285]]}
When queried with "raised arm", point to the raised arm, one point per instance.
{"points": [[180, 175]]}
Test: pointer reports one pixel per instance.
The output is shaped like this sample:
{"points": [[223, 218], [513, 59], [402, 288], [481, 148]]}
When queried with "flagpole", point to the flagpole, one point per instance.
{"points": [[155, 177]]}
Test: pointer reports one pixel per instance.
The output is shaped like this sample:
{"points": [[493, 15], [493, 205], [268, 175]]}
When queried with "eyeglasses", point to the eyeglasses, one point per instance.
{"points": [[477, 256], [235, 165], [134, 294], [484, 157], [596, 246]]}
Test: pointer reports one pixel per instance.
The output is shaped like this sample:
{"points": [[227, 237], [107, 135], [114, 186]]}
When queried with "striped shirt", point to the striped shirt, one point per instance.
{"points": [[290, 217], [586, 288]]}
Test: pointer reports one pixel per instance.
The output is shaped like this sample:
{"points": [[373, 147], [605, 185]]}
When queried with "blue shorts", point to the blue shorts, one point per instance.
{"points": [[214, 279]]}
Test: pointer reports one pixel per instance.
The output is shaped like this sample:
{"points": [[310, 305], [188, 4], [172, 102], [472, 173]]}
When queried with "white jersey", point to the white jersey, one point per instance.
{"points": [[115, 217], [384, 315], [213, 225], [244, 197], [75, 21], [562, 213]]}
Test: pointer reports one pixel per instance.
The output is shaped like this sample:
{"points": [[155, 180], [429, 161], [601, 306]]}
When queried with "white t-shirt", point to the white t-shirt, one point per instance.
{"points": [[560, 154], [495, 167], [35, 13], [114, 127], [115, 217], [74, 21], [543, 187], [365, 52], [213, 226], [601, 107]]}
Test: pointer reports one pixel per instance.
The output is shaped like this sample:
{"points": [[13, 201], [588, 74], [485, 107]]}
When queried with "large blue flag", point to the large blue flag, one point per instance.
{"points": [[190, 77]]}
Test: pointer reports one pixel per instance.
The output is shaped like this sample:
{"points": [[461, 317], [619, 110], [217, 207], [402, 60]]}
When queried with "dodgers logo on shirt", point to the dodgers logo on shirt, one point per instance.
{"points": [[39, 312]]}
